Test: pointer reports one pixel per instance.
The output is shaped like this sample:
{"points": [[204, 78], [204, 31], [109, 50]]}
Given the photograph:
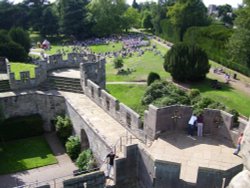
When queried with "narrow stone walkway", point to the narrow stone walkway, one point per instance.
{"points": [[65, 167]]}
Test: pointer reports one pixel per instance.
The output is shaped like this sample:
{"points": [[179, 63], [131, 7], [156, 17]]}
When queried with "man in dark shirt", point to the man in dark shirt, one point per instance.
{"points": [[110, 162]]}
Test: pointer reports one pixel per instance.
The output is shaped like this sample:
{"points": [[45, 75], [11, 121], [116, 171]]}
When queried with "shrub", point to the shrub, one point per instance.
{"points": [[85, 160], [193, 93], [21, 127], [63, 127], [186, 62], [152, 77], [21, 37], [13, 51], [236, 115], [118, 62], [154, 91], [73, 147]]}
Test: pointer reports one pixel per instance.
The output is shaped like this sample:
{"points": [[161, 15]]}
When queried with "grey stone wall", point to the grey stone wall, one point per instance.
{"points": [[167, 174], [146, 169], [3, 65], [208, 178], [90, 180], [126, 168], [80, 123], [96, 68], [120, 112], [45, 104], [166, 119]]}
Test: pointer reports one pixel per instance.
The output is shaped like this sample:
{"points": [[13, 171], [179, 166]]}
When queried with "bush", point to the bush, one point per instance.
{"points": [[21, 127], [13, 51], [63, 128], [73, 147], [152, 77], [154, 91], [118, 62], [85, 161], [186, 62], [193, 93], [19, 36], [236, 115]]}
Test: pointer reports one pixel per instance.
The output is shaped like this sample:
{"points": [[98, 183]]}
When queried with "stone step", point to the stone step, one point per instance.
{"points": [[4, 86], [62, 83]]}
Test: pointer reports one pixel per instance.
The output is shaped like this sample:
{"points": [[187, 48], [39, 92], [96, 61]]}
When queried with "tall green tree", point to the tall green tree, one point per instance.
{"points": [[50, 22], [131, 18], [73, 18], [12, 15], [21, 37], [35, 10], [107, 16], [186, 13], [239, 43], [186, 62]]}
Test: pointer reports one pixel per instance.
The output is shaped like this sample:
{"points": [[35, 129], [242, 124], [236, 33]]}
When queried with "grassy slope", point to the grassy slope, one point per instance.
{"points": [[130, 95], [142, 66], [19, 67], [25, 154]]}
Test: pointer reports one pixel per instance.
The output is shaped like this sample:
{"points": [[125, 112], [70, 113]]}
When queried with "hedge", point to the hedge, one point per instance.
{"points": [[21, 127]]}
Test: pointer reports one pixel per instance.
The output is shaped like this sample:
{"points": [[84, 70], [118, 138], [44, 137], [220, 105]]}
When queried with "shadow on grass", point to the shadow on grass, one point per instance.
{"points": [[207, 85], [24, 154]]}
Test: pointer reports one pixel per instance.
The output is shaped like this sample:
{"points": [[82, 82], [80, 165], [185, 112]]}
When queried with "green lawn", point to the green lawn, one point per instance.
{"points": [[141, 66], [24, 154], [19, 67], [111, 47], [129, 95], [56, 48], [227, 95]]}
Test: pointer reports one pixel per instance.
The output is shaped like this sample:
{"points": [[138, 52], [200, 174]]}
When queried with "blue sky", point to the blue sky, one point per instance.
{"points": [[234, 3]]}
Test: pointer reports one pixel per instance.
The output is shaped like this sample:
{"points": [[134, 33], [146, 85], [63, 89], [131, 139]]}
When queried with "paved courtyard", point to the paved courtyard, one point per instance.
{"points": [[194, 152]]}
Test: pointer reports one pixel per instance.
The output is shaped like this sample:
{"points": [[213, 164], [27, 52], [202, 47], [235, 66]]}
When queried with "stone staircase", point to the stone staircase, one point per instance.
{"points": [[4, 86], [62, 83]]}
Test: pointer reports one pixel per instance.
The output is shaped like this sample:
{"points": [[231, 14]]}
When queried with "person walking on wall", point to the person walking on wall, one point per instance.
{"points": [[110, 162], [237, 150], [191, 124], [200, 125]]}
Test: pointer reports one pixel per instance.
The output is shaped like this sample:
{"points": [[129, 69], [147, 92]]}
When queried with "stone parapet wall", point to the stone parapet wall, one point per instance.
{"points": [[56, 62], [27, 103], [89, 180], [120, 112], [3, 62]]}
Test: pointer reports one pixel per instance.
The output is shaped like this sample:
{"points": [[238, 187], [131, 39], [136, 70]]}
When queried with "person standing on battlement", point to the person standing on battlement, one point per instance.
{"points": [[191, 125], [239, 141], [110, 162]]}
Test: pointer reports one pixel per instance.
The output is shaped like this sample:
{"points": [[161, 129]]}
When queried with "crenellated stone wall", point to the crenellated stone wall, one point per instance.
{"points": [[95, 68], [3, 67]]}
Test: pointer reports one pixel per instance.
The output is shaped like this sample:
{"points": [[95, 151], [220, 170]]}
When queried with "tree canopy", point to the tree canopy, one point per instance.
{"points": [[186, 62], [186, 13], [239, 44]]}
